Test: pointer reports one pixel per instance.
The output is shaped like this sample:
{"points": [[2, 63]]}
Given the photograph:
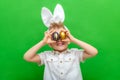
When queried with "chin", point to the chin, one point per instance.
{"points": [[60, 46], [61, 49]]}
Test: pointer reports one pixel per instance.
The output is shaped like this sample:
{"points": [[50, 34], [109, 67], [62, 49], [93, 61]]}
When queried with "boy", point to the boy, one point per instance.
{"points": [[61, 63]]}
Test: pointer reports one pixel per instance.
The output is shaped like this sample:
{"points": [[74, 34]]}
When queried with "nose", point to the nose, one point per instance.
{"points": [[59, 40]]}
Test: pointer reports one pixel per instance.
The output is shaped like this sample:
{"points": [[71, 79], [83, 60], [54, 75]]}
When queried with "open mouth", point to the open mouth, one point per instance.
{"points": [[60, 43]]}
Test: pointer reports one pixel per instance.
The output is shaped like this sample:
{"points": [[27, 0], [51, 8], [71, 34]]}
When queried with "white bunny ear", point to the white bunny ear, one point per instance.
{"points": [[59, 15], [46, 16]]}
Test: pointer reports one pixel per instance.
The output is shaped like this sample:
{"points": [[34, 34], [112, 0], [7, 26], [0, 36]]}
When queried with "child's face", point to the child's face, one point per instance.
{"points": [[59, 45]]}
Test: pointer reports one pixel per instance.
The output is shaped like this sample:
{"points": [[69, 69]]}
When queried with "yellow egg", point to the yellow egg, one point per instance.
{"points": [[62, 35]]}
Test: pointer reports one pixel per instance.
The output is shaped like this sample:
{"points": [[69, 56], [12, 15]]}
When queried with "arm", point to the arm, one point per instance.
{"points": [[89, 51], [31, 55]]}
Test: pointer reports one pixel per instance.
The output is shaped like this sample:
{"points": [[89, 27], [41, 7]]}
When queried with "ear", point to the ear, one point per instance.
{"points": [[59, 13], [46, 16]]}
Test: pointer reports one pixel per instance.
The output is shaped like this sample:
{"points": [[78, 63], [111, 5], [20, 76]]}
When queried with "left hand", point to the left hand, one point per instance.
{"points": [[69, 37]]}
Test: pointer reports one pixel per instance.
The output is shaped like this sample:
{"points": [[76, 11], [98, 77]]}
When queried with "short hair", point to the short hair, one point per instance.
{"points": [[56, 25]]}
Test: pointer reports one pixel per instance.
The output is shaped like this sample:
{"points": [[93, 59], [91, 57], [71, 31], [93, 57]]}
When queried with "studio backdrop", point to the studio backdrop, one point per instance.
{"points": [[96, 22]]}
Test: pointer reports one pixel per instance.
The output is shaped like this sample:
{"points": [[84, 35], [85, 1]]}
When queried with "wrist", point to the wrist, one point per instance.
{"points": [[42, 42], [72, 39]]}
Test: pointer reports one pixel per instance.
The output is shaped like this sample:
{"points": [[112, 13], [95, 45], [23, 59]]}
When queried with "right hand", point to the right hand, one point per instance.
{"points": [[70, 37], [47, 37]]}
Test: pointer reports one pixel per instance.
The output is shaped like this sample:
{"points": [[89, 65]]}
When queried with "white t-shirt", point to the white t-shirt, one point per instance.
{"points": [[62, 66]]}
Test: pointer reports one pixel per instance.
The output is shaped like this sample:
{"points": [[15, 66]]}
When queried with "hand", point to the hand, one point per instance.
{"points": [[69, 37], [47, 39]]}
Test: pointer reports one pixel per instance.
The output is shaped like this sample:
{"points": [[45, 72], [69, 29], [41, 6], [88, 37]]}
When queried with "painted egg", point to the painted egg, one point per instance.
{"points": [[62, 35], [55, 36]]}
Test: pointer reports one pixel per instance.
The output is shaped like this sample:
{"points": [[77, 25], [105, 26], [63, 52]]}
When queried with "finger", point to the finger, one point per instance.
{"points": [[67, 33], [45, 33], [51, 30], [51, 41], [66, 40], [63, 30], [49, 35]]}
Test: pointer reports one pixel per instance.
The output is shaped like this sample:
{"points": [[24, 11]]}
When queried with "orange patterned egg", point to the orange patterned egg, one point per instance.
{"points": [[62, 35]]}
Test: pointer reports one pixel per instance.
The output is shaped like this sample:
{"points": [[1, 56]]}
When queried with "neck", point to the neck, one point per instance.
{"points": [[61, 50]]}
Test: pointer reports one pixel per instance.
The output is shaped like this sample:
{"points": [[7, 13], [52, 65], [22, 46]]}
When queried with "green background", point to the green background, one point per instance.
{"points": [[96, 22]]}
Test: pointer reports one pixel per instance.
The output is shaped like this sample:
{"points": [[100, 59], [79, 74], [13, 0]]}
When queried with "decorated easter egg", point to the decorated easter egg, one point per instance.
{"points": [[62, 35], [55, 36]]}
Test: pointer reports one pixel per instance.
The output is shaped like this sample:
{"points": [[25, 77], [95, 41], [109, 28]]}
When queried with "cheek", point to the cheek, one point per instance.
{"points": [[52, 45]]}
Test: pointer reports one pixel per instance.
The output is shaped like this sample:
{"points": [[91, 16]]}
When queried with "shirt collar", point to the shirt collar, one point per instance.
{"points": [[64, 52]]}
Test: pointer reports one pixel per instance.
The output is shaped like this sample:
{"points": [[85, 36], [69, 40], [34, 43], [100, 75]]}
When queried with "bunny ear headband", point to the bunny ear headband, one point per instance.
{"points": [[48, 18]]}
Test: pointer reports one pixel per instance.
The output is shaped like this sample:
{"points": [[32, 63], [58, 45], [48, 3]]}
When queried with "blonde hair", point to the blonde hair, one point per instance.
{"points": [[56, 25]]}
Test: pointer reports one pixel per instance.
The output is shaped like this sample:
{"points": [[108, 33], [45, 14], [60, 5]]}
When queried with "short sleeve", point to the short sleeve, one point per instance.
{"points": [[79, 53], [42, 58]]}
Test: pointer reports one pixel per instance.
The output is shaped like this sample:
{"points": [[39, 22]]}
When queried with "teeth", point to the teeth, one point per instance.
{"points": [[60, 43]]}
